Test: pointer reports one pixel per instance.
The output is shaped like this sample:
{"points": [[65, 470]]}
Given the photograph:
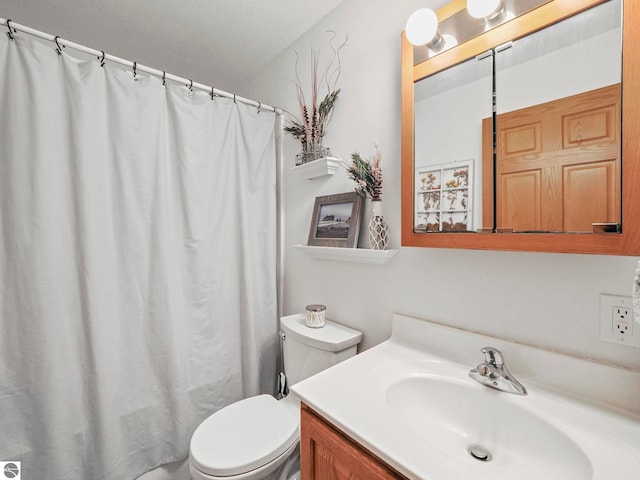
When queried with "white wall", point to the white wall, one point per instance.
{"points": [[549, 300]]}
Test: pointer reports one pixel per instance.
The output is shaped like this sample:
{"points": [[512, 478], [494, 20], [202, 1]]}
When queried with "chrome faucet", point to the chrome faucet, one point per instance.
{"points": [[495, 374]]}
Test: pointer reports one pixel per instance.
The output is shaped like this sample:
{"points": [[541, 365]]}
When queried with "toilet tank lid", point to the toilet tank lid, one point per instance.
{"points": [[333, 337]]}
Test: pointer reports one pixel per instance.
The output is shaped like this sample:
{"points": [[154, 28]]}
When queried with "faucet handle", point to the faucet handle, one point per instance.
{"points": [[493, 356]]}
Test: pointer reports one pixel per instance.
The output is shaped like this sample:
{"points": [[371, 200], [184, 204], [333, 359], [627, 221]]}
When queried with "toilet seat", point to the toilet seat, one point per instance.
{"points": [[243, 436], [260, 472]]}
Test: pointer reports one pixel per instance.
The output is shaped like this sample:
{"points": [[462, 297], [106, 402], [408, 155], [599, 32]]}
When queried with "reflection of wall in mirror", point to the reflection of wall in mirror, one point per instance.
{"points": [[581, 67], [447, 122]]}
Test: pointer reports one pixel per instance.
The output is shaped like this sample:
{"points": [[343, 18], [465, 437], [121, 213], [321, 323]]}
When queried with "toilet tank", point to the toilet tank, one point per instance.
{"points": [[308, 351]]}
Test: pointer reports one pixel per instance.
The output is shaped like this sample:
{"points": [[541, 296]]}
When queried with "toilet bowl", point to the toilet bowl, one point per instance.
{"points": [[248, 439], [257, 438]]}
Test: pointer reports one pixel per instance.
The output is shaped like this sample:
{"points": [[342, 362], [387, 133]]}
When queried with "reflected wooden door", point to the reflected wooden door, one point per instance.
{"points": [[558, 164]]}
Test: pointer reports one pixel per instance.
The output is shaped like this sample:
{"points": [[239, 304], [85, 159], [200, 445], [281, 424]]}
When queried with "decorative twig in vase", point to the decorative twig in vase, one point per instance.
{"points": [[368, 177], [311, 126]]}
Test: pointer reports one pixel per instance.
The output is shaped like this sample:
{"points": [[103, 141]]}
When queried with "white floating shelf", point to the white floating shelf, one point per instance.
{"points": [[318, 168], [357, 255]]}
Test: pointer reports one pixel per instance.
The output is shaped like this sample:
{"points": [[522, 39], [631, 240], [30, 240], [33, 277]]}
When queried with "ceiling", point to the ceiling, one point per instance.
{"points": [[224, 43]]}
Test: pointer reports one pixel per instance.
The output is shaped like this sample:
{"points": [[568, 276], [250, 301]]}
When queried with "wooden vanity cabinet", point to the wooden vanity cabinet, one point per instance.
{"points": [[328, 454]]}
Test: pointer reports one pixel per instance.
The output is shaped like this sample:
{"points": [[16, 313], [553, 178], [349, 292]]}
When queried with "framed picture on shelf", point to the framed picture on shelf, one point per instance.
{"points": [[336, 220]]}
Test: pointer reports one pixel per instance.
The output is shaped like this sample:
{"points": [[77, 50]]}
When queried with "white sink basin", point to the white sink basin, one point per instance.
{"points": [[411, 402], [453, 415]]}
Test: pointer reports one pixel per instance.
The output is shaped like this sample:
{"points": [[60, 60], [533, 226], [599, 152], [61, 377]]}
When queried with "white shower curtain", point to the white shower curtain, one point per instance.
{"points": [[137, 263]]}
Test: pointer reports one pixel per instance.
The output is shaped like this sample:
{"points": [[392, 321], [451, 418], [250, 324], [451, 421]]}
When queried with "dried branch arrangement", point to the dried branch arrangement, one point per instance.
{"points": [[367, 174], [310, 127]]}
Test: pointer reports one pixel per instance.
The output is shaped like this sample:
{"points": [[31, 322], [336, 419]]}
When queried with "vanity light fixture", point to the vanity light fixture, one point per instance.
{"points": [[486, 9], [422, 28]]}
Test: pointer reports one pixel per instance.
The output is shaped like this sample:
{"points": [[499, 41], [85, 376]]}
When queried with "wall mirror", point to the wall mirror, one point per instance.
{"points": [[544, 172]]}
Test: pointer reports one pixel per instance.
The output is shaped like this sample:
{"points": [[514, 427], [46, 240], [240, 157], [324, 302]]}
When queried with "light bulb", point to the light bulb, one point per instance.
{"points": [[484, 8], [422, 27]]}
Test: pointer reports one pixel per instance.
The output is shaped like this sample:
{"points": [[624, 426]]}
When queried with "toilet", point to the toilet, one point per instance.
{"points": [[257, 438]]}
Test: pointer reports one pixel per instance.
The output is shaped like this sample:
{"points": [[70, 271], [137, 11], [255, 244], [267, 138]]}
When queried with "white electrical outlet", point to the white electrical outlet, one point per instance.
{"points": [[616, 321], [622, 324]]}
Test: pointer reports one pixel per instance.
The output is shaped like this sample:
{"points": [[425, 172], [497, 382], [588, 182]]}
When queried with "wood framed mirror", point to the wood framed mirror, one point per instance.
{"points": [[487, 232]]}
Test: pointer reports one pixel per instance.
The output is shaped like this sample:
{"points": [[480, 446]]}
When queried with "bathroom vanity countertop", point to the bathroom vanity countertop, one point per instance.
{"points": [[382, 399]]}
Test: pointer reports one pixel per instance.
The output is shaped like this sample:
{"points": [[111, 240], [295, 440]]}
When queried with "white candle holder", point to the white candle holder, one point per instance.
{"points": [[315, 316]]}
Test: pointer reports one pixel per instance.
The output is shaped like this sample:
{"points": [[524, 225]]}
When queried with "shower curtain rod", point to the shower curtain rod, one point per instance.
{"points": [[136, 67]]}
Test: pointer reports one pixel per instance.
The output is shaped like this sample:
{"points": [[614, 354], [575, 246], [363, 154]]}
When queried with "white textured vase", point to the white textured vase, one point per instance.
{"points": [[378, 227]]}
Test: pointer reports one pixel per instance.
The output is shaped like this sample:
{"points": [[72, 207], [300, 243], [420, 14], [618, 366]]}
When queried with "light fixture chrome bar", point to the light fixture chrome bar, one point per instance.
{"points": [[61, 42], [462, 26]]}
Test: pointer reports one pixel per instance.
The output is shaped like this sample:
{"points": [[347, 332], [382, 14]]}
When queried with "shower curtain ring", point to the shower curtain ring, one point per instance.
{"points": [[190, 86], [234, 98], [212, 94], [259, 106], [164, 78], [101, 58], [9, 32], [58, 46], [135, 69]]}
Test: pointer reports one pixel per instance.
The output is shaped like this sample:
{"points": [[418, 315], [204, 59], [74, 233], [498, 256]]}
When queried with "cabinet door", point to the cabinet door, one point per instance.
{"points": [[327, 454]]}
